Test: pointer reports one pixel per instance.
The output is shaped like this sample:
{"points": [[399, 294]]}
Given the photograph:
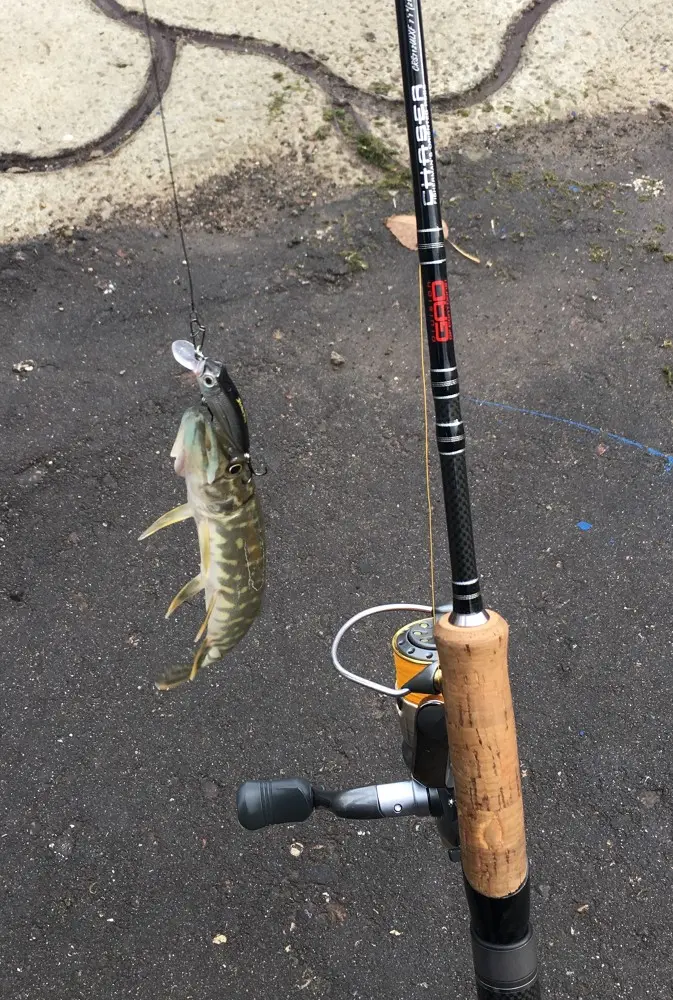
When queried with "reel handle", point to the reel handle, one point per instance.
{"points": [[267, 803], [292, 800]]}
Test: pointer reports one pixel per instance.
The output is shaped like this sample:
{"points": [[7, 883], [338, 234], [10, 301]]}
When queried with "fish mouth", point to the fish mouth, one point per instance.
{"points": [[189, 450], [202, 451]]}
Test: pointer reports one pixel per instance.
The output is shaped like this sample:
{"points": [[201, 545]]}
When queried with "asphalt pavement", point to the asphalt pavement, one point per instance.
{"points": [[122, 862]]}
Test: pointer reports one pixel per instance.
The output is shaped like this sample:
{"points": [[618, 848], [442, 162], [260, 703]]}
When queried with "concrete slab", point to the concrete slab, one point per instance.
{"points": [[67, 73], [122, 860], [228, 111], [222, 109], [585, 57], [358, 38]]}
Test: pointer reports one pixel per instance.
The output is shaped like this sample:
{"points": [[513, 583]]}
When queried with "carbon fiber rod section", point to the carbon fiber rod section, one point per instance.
{"points": [[467, 597]]}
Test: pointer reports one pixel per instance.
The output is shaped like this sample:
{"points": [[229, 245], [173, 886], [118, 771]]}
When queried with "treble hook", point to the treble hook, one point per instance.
{"points": [[258, 472]]}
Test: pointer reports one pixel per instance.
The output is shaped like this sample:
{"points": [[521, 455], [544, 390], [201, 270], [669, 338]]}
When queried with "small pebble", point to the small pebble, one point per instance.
{"points": [[209, 788]]}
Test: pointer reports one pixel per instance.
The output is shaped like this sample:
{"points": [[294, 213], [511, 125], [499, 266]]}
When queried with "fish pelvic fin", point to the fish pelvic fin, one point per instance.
{"points": [[174, 677], [204, 623], [190, 589]]}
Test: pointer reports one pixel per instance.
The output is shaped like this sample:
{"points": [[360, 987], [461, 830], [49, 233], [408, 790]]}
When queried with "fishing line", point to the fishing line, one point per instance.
{"points": [[195, 324], [426, 428]]}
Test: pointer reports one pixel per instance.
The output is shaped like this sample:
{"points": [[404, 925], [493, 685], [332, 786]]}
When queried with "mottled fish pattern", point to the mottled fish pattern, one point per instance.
{"points": [[221, 499]]}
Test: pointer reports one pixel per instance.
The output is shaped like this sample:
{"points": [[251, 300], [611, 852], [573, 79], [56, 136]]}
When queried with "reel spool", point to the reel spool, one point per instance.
{"points": [[414, 649]]}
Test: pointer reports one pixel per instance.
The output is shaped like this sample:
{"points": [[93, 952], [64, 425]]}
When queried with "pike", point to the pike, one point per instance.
{"points": [[211, 453]]}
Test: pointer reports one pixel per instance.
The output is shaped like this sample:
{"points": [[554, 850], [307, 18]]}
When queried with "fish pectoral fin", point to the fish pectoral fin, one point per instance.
{"points": [[180, 513], [204, 624], [190, 589]]}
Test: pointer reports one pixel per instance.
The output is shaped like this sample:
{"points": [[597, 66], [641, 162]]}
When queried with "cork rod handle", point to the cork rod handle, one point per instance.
{"points": [[484, 755]]}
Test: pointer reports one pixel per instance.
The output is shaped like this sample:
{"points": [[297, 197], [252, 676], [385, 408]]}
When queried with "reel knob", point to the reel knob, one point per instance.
{"points": [[266, 803]]}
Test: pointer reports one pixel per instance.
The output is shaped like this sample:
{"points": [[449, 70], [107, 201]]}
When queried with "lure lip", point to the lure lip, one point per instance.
{"points": [[185, 354]]}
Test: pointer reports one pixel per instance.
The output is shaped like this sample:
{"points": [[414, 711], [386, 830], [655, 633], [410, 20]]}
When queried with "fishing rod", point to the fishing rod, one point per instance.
{"points": [[452, 684], [471, 642]]}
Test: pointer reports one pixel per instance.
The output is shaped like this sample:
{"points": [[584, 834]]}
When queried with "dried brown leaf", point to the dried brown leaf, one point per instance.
{"points": [[403, 228]]}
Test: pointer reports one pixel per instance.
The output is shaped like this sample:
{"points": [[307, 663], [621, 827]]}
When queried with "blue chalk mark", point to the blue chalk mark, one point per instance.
{"points": [[584, 525], [653, 452]]}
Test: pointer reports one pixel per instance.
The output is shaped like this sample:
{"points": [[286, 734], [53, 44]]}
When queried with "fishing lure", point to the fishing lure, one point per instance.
{"points": [[211, 452]]}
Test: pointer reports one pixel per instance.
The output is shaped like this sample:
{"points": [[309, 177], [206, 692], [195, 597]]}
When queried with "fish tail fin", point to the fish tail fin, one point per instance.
{"points": [[173, 678], [204, 655]]}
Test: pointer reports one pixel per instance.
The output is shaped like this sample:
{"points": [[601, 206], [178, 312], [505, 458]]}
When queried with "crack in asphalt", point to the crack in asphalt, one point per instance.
{"points": [[164, 40]]}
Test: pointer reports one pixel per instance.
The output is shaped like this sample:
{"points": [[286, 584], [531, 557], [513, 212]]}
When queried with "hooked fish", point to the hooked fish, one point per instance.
{"points": [[222, 500]]}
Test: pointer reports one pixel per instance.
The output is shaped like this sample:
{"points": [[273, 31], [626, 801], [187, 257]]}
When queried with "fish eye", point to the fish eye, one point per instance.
{"points": [[209, 381], [235, 468]]}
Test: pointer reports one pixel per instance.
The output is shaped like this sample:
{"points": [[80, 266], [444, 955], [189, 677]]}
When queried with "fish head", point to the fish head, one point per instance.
{"points": [[210, 459]]}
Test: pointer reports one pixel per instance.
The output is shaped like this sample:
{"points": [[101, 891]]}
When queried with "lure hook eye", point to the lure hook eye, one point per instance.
{"points": [[209, 381], [235, 468]]}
